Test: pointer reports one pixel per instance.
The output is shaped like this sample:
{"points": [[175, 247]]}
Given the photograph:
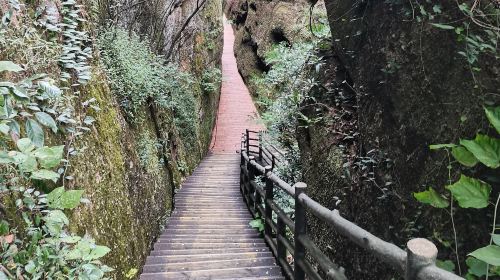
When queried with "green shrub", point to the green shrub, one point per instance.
{"points": [[137, 76], [148, 151]]}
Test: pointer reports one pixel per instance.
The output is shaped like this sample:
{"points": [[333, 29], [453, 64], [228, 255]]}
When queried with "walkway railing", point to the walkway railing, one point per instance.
{"points": [[417, 262]]}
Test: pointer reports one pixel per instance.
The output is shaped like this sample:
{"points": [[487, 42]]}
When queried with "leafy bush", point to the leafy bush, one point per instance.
{"points": [[138, 76], [148, 150], [211, 80], [39, 246]]}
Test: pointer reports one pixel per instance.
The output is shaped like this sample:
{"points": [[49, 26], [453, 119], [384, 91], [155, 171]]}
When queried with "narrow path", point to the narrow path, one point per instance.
{"points": [[208, 235], [236, 109]]}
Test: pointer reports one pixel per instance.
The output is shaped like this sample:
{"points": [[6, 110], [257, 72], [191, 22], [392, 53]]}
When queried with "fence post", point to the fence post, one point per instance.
{"points": [[260, 146], [280, 232], [267, 202], [273, 161], [300, 230], [248, 142], [420, 253], [251, 177]]}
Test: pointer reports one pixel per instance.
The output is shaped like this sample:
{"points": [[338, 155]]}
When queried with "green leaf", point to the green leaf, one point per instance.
{"points": [[25, 145], [10, 66], [486, 149], [463, 156], [55, 221], [46, 120], [61, 199], [441, 146], [446, 265], [431, 197], [97, 253], [476, 267], [257, 223], [49, 157], [4, 128], [35, 133], [496, 239], [44, 174], [29, 164], [493, 115], [470, 192], [443, 26], [489, 254]]}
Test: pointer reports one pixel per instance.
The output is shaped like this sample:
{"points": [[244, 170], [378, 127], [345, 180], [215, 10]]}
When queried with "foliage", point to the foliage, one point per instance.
{"points": [[478, 34], [211, 80], [148, 150], [41, 247], [138, 76], [473, 193]]}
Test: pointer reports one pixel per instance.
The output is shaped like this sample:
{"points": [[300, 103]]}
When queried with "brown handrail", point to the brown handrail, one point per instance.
{"points": [[416, 263]]}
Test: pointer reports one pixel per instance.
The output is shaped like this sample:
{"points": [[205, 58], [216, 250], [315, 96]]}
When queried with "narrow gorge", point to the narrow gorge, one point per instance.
{"points": [[249, 139]]}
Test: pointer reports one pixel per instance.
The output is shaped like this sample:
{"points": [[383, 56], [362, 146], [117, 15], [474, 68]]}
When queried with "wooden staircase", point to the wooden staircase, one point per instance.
{"points": [[208, 235]]}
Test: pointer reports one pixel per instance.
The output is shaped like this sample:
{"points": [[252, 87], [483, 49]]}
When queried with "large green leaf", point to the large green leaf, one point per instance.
{"points": [[493, 115], [35, 133], [25, 145], [49, 157], [470, 192], [446, 265], [46, 120], [486, 149], [476, 267], [489, 254], [463, 156], [55, 220], [44, 174], [97, 253], [61, 199], [431, 197], [10, 66]]}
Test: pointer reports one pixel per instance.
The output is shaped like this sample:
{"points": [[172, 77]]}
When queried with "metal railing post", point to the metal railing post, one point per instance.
{"points": [[300, 230], [420, 253], [267, 202]]}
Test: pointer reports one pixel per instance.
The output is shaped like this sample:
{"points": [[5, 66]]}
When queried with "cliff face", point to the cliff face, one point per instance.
{"points": [[130, 199], [261, 24], [410, 87], [396, 80], [130, 202]]}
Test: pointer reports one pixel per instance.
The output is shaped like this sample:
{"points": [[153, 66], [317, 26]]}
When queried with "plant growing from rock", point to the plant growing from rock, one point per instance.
{"points": [[39, 246], [471, 192]]}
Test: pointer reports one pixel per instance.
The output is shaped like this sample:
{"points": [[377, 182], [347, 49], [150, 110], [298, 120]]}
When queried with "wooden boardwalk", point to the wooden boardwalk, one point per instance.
{"points": [[208, 235]]}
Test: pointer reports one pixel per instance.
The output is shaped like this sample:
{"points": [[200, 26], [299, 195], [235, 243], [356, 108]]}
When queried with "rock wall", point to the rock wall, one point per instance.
{"points": [[259, 25], [130, 202], [411, 88]]}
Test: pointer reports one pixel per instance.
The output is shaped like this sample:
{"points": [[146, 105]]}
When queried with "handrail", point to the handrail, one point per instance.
{"points": [[416, 263]]}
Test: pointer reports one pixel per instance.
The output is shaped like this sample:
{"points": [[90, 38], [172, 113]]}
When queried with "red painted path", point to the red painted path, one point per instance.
{"points": [[236, 109]]}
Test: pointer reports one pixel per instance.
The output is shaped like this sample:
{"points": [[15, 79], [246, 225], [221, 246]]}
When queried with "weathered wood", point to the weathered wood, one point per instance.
{"points": [[208, 235]]}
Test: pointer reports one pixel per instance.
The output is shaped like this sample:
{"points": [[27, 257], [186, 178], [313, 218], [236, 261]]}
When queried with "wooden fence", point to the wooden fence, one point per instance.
{"points": [[417, 262]]}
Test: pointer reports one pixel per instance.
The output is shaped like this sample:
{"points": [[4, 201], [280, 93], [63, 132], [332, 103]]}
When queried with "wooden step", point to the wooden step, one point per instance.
{"points": [[207, 257], [209, 264], [209, 274]]}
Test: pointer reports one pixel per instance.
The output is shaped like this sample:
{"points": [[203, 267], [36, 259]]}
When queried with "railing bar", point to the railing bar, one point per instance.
{"points": [[288, 244], [329, 267], [287, 268], [272, 245], [309, 270], [288, 222], [273, 225], [385, 251]]}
